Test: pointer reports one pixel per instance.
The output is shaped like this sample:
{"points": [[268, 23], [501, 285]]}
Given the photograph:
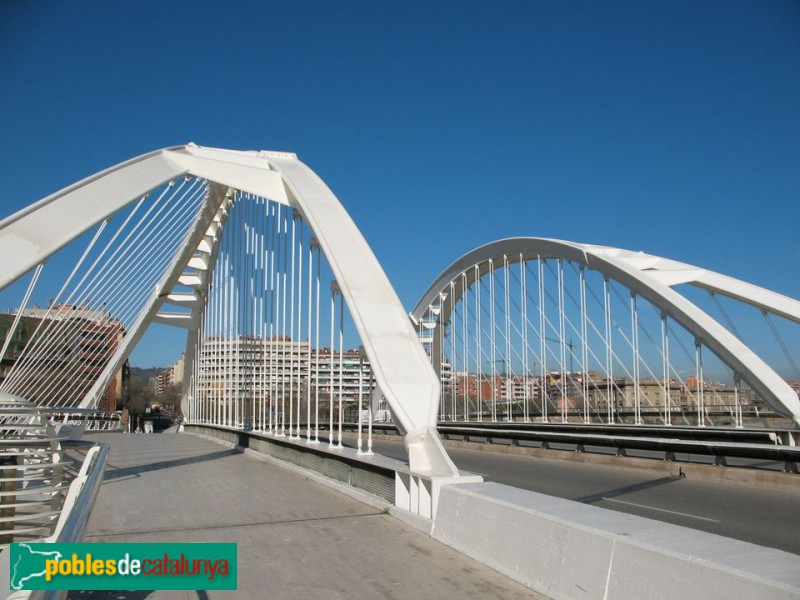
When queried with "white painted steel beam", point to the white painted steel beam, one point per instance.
{"points": [[214, 199], [30, 236], [182, 320], [671, 273], [399, 362]]}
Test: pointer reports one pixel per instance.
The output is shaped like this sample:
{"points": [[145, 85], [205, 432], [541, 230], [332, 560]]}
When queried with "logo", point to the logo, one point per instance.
{"points": [[99, 566]]}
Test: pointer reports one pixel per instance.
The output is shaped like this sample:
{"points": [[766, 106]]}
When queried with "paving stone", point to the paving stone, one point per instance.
{"points": [[295, 538]]}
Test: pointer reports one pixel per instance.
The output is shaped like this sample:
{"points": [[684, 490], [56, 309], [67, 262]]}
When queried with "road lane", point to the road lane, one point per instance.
{"points": [[767, 518]]}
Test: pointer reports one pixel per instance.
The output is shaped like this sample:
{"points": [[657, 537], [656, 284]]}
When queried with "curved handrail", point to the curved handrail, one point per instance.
{"points": [[81, 493]]}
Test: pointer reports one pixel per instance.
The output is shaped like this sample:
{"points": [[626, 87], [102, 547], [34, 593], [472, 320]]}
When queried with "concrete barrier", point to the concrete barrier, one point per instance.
{"points": [[564, 549], [567, 550], [388, 478]]}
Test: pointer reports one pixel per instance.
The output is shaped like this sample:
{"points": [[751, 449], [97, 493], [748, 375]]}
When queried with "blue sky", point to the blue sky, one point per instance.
{"points": [[668, 127]]}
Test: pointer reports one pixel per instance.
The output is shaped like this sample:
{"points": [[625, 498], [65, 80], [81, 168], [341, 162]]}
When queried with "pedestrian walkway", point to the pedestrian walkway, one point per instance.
{"points": [[296, 539]]}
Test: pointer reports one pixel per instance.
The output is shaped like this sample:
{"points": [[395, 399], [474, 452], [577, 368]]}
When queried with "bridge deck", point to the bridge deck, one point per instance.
{"points": [[296, 538]]}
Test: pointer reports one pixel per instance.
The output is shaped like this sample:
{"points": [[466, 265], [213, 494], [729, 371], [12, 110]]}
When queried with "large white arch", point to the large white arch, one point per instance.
{"points": [[399, 362], [650, 277]]}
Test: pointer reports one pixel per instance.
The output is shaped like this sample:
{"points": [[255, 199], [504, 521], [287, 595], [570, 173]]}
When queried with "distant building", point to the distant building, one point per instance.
{"points": [[340, 373], [172, 375], [653, 394], [59, 353], [479, 392], [276, 370]]}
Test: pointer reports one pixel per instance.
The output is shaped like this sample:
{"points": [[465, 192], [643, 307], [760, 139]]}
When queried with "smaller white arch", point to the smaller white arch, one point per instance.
{"points": [[650, 277]]}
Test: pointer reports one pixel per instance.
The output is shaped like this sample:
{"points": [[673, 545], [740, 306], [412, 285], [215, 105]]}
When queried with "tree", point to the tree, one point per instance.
{"points": [[171, 397], [142, 396]]}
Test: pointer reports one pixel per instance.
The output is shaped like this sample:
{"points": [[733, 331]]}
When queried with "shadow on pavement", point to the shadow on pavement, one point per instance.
{"points": [[165, 464], [628, 489]]}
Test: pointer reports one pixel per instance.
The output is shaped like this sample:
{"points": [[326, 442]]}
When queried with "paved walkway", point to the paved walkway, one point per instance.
{"points": [[296, 539]]}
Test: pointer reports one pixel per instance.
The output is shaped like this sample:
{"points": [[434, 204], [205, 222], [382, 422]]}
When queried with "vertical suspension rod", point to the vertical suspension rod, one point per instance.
{"points": [[453, 357], [341, 367], [666, 369], [315, 247], [493, 341], [465, 326], [584, 345], [508, 380], [700, 398], [330, 364], [562, 342], [292, 336], [524, 329], [299, 321], [609, 367], [308, 365], [637, 400], [479, 355], [542, 340]]}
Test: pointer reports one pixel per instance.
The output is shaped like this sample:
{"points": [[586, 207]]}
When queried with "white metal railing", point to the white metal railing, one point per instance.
{"points": [[71, 520], [81, 493], [88, 419]]}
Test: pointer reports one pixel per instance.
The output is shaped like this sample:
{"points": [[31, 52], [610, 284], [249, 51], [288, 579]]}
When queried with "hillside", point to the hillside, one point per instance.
{"points": [[142, 376]]}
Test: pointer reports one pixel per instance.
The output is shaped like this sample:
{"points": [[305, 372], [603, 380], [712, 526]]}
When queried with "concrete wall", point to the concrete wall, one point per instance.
{"points": [[567, 550], [374, 474]]}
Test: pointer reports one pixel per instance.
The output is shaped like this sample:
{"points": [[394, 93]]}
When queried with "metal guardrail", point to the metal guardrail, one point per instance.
{"points": [[89, 418], [789, 455], [75, 511], [716, 443], [81, 493], [755, 436], [79, 502]]}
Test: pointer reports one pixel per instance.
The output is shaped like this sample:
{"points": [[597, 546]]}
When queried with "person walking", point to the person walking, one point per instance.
{"points": [[125, 420]]}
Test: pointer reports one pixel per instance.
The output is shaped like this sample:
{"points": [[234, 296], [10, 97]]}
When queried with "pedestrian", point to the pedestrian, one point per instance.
{"points": [[125, 420]]}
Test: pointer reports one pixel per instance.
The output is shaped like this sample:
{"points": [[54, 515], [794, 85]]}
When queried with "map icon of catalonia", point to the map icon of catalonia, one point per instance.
{"points": [[29, 564]]}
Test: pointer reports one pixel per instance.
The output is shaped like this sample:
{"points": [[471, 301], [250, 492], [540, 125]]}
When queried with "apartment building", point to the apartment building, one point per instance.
{"points": [[60, 352], [277, 367], [172, 375]]}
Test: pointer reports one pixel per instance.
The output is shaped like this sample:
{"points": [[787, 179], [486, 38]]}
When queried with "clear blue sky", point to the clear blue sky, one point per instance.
{"points": [[669, 127]]}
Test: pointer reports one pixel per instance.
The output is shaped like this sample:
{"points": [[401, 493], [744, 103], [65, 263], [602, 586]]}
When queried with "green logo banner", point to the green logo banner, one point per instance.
{"points": [[101, 566]]}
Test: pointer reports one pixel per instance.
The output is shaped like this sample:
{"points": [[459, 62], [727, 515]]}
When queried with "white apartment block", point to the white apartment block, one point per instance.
{"points": [[264, 368]]}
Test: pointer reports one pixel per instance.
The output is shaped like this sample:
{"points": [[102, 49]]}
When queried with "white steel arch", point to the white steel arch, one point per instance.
{"points": [[651, 277], [400, 365]]}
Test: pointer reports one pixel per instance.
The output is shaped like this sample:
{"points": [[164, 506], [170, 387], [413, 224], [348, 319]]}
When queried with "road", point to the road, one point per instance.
{"points": [[766, 518]]}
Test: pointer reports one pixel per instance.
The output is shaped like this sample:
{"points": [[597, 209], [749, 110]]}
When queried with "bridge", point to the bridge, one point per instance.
{"points": [[293, 329]]}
